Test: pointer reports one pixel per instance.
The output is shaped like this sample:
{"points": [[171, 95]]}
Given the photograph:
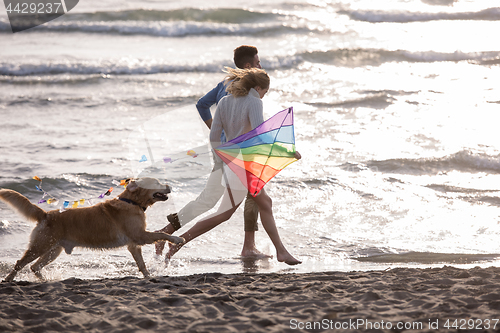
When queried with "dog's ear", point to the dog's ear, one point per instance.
{"points": [[132, 186]]}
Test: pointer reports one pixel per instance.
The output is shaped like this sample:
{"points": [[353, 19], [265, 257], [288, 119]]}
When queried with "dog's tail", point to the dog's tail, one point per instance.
{"points": [[22, 205]]}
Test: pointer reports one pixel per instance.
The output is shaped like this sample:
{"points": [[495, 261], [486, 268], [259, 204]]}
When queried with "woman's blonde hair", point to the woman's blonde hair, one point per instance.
{"points": [[242, 80]]}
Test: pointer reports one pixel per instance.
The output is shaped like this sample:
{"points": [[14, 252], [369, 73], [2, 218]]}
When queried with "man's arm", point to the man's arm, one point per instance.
{"points": [[204, 104]]}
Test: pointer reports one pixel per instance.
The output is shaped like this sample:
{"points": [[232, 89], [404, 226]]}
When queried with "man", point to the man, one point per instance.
{"points": [[245, 56]]}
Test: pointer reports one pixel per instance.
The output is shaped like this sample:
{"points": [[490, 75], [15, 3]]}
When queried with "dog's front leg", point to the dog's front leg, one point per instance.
{"points": [[148, 237], [137, 254]]}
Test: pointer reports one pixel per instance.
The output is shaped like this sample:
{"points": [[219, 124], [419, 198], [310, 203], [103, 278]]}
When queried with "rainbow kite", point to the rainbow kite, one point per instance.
{"points": [[257, 156]]}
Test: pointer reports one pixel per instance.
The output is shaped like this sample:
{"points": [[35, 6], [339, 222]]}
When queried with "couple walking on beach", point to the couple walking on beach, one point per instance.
{"points": [[239, 110]]}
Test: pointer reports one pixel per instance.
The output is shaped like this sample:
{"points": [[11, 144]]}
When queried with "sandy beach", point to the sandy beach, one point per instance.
{"points": [[394, 106], [402, 299]]}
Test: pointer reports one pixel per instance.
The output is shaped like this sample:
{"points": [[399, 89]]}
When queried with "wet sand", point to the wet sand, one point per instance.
{"points": [[423, 300]]}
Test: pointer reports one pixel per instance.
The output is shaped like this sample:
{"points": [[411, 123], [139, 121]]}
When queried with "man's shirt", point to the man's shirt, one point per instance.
{"points": [[211, 98]]}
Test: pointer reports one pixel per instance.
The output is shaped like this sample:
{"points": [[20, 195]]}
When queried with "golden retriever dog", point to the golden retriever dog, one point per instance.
{"points": [[109, 224]]}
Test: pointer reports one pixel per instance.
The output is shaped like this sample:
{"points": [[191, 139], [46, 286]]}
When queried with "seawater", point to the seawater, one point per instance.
{"points": [[396, 110]]}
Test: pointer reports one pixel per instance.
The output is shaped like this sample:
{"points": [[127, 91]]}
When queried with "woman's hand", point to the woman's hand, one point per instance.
{"points": [[297, 155]]}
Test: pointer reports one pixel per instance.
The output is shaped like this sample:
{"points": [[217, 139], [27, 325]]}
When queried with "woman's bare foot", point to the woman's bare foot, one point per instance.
{"points": [[253, 253], [287, 258]]}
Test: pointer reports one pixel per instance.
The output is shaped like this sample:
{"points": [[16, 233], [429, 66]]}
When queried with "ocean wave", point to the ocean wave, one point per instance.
{"points": [[471, 195], [101, 68], [377, 101], [67, 187], [491, 200], [375, 57], [464, 161], [89, 102], [439, 2], [4, 227], [53, 79], [492, 61], [15, 224], [138, 66], [475, 199], [177, 23], [121, 66], [66, 183], [455, 189], [102, 21], [378, 16], [219, 15], [171, 29]]}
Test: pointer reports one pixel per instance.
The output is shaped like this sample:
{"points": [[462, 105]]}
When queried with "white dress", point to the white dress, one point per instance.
{"points": [[236, 116]]}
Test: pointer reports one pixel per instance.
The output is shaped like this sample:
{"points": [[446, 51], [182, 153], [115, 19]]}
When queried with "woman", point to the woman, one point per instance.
{"points": [[237, 114]]}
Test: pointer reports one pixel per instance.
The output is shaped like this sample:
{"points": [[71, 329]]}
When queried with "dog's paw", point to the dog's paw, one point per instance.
{"points": [[177, 240]]}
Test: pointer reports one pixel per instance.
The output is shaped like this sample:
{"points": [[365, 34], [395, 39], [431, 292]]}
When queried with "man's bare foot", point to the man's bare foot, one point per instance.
{"points": [[287, 258], [172, 250], [253, 253]]}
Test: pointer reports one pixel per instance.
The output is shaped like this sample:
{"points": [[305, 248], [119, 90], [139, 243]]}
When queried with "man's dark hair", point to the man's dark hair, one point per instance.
{"points": [[243, 55]]}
